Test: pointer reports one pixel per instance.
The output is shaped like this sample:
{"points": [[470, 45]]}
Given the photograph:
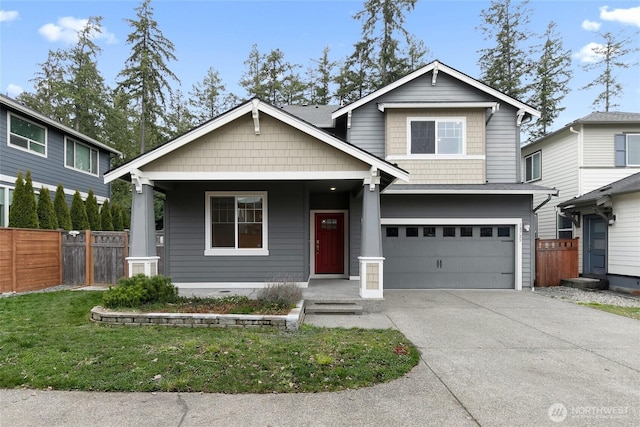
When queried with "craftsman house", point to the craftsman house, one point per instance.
{"points": [[416, 185], [54, 153]]}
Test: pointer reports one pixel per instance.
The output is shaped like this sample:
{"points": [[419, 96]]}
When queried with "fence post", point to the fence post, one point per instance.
{"points": [[126, 253], [88, 259], [14, 264], [60, 256]]}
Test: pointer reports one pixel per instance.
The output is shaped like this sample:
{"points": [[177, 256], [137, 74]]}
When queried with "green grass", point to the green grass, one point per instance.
{"points": [[47, 340], [632, 312]]}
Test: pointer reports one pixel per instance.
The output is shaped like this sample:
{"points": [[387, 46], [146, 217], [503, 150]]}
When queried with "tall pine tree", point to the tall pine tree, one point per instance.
{"points": [[61, 209], [46, 215], [206, 96], [79, 220], [23, 207], [93, 214], [146, 77]]}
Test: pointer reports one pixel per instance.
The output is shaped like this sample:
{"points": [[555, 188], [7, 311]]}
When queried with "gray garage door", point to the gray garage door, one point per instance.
{"points": [[449, 257]]}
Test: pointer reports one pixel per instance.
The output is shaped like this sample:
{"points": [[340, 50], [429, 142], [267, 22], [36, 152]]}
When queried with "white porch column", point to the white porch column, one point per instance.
{"points": [[142, 258], [371, 259]]}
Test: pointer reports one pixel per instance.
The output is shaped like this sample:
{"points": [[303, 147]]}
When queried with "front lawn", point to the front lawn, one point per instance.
{"points": [[47, 340], [632, 312]]}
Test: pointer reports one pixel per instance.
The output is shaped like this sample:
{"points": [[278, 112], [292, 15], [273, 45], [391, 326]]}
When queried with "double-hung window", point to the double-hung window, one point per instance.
{"points": [[236, 223], [81, 157], [533, 167], [437, 136], [27, 135], [627, 148]]}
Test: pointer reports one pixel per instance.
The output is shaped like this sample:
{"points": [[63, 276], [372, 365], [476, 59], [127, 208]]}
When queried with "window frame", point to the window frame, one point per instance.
{"points": [[11, 116], [560, 229], [627, 150], [532, 156], [211, 251], [75, 142], [437, 120]]}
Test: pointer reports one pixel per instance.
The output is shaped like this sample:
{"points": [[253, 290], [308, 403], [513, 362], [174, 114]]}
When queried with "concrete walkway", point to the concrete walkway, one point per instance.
{"points": [[491, 358]]}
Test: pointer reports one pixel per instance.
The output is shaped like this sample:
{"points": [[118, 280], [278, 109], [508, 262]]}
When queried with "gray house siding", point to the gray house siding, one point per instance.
{"points": [[288, 228], [502, 135], [50, 169], [467, 206]]}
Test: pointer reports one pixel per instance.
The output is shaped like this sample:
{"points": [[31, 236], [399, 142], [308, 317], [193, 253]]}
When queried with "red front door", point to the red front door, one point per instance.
{"points": [[329, 257]]}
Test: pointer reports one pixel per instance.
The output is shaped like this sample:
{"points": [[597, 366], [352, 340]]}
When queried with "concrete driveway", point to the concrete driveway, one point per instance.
{"points": [[491, 358]]}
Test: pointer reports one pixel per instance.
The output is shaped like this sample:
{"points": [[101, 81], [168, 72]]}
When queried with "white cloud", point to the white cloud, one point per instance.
{"points": [[629, 16], [588, 53], [8, 15], [590, 25], [67, 28], [14, 90]]}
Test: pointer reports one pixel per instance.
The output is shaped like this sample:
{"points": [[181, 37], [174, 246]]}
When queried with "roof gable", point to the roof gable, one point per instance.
{"points": [[255, 108], [435, 68]]}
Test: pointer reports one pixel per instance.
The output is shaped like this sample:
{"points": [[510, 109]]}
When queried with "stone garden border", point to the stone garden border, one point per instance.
{"points": [[290, 321]]}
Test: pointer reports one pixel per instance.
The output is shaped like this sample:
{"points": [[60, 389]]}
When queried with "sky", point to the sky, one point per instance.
{"points": [[220, 34]]}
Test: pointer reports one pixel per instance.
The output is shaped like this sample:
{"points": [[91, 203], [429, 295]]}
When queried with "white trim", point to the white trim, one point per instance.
{"points": [[312, 239], [150, 264], [371, 293], [516, 222], [438, 157], [50, 122], [436, 120], [254, 176], [210, 251], [240, 111], [533, 156], [391, 190], [439, 105], [52, 188], [27, 150], [73, 168], [231, 285], [436, 65]]}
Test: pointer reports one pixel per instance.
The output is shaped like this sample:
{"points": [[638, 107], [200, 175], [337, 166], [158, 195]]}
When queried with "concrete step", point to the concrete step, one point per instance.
{"points": [[585, 283], [332, 307]]}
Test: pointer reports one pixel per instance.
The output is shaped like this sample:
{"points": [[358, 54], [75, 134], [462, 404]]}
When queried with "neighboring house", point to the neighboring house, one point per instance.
{"points": [[54, 153], [610, 219], [586, 154], [416, 185]]}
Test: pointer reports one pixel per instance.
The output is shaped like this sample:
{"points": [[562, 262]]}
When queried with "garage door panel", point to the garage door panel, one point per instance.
{"points": [[429, 259]]}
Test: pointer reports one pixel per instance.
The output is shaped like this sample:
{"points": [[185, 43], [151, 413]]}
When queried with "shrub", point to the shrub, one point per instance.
{"points": [[281, 293], [106, 217], [91, 206], [46, 214], [139, 290], [23, 208], [61, 208], [79, 220]]}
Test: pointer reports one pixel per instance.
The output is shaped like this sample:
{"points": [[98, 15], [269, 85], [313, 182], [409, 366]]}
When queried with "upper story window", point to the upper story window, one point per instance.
{"points": [[533, 167], [81, 157], [236, 223], [627, 149], [27, 135], [439, 135]]}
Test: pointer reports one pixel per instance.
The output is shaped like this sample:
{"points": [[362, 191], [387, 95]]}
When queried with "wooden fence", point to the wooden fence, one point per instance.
{"points": [[37, 259], [556, 259], [29, 259]]}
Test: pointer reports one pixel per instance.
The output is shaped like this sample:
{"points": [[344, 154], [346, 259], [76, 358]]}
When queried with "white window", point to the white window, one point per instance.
{"points": [[81, 157], [436, 136], [2, 203], [236, 223], [565, 227], [26, 135], [633, 149], [533, 167]]}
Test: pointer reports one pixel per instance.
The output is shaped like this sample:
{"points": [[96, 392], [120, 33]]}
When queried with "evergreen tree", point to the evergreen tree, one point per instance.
{"points": [[505, 65], [49, 96], [23, 207], [551, 77], [321, 78], [61, 209], [386, 52], [79, 220], [253, 79], [106, 218], [206, 96], [609, 58], [146, 77], [116, 213], [46, 215], [91, 207], [179, 118]]}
